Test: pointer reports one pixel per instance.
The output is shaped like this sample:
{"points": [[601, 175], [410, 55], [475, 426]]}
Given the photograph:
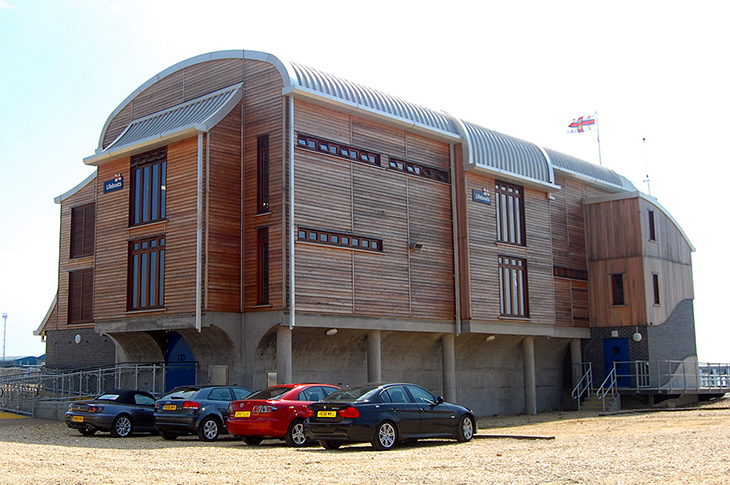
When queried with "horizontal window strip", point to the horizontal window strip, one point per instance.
{"points": [[419, 170], [339, 239], [571, 274], [338, 149]]}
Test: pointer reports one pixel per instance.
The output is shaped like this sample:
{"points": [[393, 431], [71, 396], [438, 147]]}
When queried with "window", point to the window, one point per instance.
{"points": [[510, 213], [146, 273], [513, 287], [149, 178], [420, 170], [338, 149], [263, 265], [262, 158], [617, 289], [652, 227], [655, 280], [83, 222], [336, 239], [81, 296]]}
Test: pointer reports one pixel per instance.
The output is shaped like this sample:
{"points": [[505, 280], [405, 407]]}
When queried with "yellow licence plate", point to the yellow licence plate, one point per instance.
{"points": [[169, 407], [77, 419], [326, 414], [242, 414]]}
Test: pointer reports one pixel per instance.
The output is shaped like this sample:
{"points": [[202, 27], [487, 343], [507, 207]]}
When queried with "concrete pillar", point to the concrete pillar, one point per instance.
{"points": [[576, 360], [528, 359], [284, 355], [449, 367], [375, 369]]}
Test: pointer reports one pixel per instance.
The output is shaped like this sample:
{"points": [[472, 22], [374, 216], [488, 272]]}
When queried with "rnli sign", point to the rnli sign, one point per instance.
{"points": [[115, 184], [482, 196]]}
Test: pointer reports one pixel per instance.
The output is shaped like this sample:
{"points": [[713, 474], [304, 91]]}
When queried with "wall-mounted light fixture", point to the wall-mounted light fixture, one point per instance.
{"points": [[490, 338], [416, 246], [77, 338], [330, 332]]}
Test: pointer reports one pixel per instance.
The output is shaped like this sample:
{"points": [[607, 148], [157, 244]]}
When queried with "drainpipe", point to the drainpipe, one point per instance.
{"points": [[292, 318], [455, 232], [199, 241]]}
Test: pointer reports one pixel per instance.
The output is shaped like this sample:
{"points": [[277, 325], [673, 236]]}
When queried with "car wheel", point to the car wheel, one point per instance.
{"points": [[253, 440], [122, 426], [87, 431], [385, 436], [295, 434], [167, 436], [330, 445], [209, 429], [465, 431]]}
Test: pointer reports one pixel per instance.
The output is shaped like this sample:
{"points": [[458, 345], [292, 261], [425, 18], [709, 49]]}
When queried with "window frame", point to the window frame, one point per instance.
{"points": [[335, 239], [618, 293], [655, 284], [514, 300], [510, 209], [652, 226], [262, 175], [262, 266], [148, 192], [141, 279]]}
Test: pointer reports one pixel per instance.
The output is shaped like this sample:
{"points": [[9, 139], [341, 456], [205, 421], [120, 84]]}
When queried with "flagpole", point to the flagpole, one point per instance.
{"points": [[598, 139]]}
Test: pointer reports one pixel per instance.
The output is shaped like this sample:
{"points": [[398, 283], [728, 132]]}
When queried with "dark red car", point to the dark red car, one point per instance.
{"points": [[275, 412]]}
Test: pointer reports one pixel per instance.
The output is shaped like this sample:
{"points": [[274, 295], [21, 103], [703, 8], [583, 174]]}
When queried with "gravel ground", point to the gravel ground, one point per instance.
{"points": [[671, 446]]}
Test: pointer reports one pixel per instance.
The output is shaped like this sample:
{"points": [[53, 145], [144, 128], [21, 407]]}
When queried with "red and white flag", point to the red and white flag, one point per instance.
{"points": [[582, 124]]}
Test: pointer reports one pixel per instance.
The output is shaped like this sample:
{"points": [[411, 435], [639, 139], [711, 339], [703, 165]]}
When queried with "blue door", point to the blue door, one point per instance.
{"points": [[617, 350], [180, 362]]}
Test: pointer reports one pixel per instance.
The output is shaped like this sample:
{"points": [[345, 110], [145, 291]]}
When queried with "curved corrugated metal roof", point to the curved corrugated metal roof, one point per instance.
{"points": [[498, 152], [335, 87], [576, 166]]}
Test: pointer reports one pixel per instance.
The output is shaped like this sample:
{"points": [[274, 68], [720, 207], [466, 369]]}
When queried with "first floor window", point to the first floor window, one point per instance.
{"points": [[617, 289], [83, 221], [513, 287], [263, 265], [146, 273], [81, 296], [149, 186], [510, 213]]}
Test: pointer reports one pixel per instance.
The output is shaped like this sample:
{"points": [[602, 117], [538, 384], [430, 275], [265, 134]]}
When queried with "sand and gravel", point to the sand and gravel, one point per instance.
{"points": [[661, 447]]}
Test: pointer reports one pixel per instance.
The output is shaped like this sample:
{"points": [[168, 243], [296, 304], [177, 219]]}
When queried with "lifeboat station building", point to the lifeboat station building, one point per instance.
{"points": [[269, 222]]}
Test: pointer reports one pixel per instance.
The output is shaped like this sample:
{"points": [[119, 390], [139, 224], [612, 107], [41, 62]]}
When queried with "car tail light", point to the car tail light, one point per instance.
{"points": [[191, 405], [95, 409], [264, 409], [349, 412]]}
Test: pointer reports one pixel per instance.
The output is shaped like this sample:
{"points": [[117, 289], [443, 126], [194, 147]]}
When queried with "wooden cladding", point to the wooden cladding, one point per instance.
{"points": [[83, 227]]}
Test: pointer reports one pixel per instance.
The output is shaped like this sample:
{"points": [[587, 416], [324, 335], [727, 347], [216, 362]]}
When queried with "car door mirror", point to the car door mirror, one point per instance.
{"points": [[439, 400]]}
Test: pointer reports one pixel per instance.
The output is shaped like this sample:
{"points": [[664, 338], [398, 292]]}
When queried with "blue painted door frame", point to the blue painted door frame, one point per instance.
{"points": [[617, 350], [180, 362]]}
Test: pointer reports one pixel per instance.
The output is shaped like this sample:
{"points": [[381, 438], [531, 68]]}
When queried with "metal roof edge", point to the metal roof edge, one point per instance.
{"points": [[360, 109], [78, 187], [145, 144], [511, 176], [593, 181], [640, 195], [41, 328]]}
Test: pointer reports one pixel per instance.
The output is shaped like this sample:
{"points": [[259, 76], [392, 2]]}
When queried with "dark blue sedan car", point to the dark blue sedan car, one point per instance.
{"points": [[384, 414], [200, 410]]}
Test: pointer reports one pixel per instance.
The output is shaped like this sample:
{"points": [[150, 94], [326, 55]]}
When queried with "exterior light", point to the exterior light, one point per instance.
{"points": [[490, 338], [331, 332]]}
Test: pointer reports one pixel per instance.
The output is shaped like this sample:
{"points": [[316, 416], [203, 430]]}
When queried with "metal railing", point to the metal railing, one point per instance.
{"points": [[21, 391], [585, 383]]}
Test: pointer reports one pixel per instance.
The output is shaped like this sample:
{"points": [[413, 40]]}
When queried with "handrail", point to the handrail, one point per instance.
{"points": [[607, 386], [584, 385]]}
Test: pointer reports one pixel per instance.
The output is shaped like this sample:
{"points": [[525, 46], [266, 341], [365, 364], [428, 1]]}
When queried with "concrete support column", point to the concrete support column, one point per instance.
{"points": [[283, 355], [375, 369], [528, 360], [576, 359], [449, 367]]}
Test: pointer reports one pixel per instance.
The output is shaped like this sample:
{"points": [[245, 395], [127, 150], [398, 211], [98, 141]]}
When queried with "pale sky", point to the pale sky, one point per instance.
{"points": [[651, 69]]}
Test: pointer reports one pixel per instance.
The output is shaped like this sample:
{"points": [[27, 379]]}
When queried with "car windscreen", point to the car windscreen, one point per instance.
{"points": [[356, 394], [269, 393]]}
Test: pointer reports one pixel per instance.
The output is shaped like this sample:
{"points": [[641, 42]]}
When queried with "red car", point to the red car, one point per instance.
{"points": [[275, 412]]}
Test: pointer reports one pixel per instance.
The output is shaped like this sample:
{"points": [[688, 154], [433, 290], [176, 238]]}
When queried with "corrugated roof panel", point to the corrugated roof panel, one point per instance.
{"points": [[193, 112], [577, 166], [492, 150], [339, 88]]}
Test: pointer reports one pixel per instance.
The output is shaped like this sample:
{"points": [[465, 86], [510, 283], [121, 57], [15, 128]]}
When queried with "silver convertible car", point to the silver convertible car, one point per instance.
{"points": [[122, 412]]}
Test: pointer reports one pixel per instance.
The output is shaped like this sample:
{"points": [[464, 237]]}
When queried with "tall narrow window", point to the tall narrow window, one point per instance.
{"points": [[146, 273], [655, 280], [149, 179], [652, 227], [83, 222], [510, 213], [617, 289], [263, 265], [513, 287], [81, 296], [262, 144]]}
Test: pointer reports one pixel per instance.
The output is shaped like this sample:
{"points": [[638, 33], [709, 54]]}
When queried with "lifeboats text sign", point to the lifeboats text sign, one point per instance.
{"points": [[115, 184]]}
